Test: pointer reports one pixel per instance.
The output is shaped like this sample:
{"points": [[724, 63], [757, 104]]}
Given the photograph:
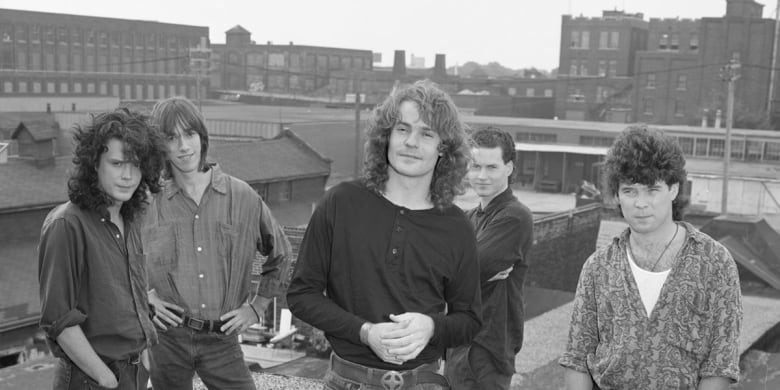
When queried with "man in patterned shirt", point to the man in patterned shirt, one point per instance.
{"points": [[660, 307]]}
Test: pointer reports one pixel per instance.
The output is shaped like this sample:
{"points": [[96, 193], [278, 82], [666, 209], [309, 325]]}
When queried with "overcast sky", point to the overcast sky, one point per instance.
{"points": [[515, 33]]}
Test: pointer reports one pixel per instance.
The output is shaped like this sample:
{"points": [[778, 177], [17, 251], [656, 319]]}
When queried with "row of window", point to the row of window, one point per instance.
{"points": [[522, 136], [608, 40], [741, 149], [74, 36], [123, 90], [78, 62], [681, 83], [671, 41], [605, 68], [648, 106], [300, 61], [529, 92]]}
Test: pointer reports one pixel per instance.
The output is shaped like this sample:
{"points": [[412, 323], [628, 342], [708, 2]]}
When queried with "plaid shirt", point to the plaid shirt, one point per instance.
{"points": [[692, 332], [201, 255]]}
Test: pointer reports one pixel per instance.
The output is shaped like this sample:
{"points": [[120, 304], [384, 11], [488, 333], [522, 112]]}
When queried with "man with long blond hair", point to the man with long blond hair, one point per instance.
{"points": [[388, 265]]}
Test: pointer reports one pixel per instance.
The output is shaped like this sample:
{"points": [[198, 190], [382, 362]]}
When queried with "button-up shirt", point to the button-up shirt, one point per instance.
{"points": [[201, 255], [691, 333], [92, 276], [373, 258], [504, 237]]}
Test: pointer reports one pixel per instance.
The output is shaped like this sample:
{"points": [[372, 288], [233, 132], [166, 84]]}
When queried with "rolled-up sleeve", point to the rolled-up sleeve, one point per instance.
{"points": [[583, 328], [274, 244], [60, 266], [726, 321]]}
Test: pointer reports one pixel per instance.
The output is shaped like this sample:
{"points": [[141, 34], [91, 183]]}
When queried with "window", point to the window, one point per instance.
{"points": [[716, 147], [49, 34], [276, 60], [772, 151], [22, 87], [754, 149], [614, 40], [603, 38], [663, 41], [575, 39], [737, 149], [602, 68], [686, 144], [63, 87], [701, 146], [682, 82], [648, 106], [8, 87], [603, 93], [580, 39], [585, 43], [285, 191], [76, 37], [612, 68], [548, 92], [529, 92], [736, 56], [90, 37], [511, 91], [596, 141], [679, 108], [650, 83], [21, 34], [522, 136], [674, 42], [35, 33], [575, 95], [574, 68], [694, 42]]}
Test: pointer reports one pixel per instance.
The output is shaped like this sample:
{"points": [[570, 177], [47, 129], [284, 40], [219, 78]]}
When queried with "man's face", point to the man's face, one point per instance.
{"points": [[118, 175], [413, 146], [488, 174], [646, 208], [184, 150]]}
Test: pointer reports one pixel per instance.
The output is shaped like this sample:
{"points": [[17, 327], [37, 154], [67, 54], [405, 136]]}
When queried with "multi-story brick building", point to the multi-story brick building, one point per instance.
{"points": [[596, 65], [241, 64], [58, 54]]}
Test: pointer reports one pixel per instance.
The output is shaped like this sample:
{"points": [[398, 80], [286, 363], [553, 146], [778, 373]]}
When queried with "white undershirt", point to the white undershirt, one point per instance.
{"points": [[649, 283]]}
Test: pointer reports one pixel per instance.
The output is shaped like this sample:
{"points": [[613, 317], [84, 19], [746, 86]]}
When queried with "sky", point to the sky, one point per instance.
{"points": [[514, 33]]}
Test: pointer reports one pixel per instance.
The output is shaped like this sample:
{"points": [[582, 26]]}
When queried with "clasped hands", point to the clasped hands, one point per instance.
{"points": [[401, 339]]}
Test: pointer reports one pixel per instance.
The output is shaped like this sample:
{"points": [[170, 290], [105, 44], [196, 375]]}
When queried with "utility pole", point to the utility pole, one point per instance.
{"points": [[770, 95], [729, 73], [200, 61], [356, 82]]}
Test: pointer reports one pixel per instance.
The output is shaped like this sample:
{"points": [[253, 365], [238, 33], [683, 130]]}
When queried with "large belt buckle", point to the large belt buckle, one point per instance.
{"points": [[196, 324], [392, 380]]}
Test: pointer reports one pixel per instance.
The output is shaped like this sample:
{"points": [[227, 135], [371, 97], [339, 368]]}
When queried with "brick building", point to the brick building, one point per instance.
{"points": [[597, 62], [45, 53], [241, 64]]}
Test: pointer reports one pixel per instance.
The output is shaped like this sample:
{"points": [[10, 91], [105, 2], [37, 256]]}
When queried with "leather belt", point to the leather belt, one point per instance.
{"points": [[202, 325], [387, 379]]}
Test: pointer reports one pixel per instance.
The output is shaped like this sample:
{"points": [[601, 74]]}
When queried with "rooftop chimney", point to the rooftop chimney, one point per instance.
{"points": [[399, 63], [440, 67]]}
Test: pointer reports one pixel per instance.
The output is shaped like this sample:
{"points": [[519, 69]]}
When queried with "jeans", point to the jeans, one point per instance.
{"points": [[216, 358], [471, 367], [67, 376]]}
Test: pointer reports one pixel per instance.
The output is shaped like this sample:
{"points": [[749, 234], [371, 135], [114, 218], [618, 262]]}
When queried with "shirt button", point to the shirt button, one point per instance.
{"points": [[117, 236], [402, 212], [202, 305], [200, 249], [200, 276], [395, 251], [102, 220], [197, 216]]}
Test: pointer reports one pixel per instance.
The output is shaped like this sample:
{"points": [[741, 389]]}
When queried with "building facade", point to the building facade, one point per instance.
{"points": [[241, 64], [58, 54]]}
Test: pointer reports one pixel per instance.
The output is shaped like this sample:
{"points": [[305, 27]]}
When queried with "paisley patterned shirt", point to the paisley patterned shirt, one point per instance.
{"points": [[692, 332]]}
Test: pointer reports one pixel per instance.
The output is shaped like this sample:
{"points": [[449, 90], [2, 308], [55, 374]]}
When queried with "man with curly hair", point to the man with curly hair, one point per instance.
{"points": [[660, 307], [201, 237], [505, 230], [388, 265], [92, 274]]}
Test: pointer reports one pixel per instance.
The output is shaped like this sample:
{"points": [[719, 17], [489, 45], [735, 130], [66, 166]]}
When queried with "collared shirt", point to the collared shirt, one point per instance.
{"points": [[92, 276], [201, 255], [504, 238], [373, 258], [691, 333]]}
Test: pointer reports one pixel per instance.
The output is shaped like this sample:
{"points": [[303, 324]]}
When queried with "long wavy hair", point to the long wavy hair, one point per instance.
{"points": [[180, 111], [439, 112], [142, 144], [644, 156]]}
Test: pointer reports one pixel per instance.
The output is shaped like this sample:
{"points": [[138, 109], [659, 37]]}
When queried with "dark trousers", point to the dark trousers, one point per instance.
{"points": [[131, 376], [471, 367], [216, 358]]}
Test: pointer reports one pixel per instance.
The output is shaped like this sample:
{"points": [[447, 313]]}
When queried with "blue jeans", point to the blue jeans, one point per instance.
{"points": [[67, 376], [216, 358], [471, 367]]}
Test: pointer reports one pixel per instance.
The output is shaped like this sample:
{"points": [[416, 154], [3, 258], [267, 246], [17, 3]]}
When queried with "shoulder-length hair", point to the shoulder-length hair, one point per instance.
{"points": [[439, 112], [179, 111], [142, 144], [644, 156]]}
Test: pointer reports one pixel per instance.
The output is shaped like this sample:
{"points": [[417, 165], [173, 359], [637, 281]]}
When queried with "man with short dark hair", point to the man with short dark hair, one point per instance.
{"points": [[91, 267], [504, 229], [660, 307], [388, 265]]}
